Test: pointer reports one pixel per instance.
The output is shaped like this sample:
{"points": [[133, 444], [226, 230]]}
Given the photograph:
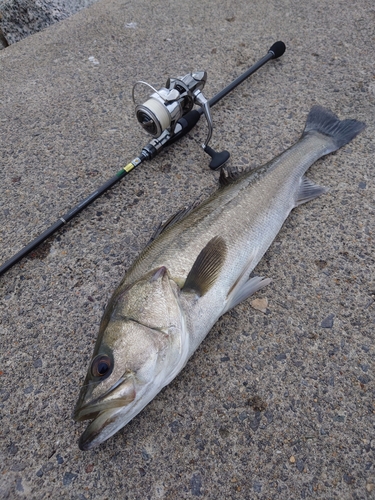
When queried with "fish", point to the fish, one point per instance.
{"points": [[198, 267]]}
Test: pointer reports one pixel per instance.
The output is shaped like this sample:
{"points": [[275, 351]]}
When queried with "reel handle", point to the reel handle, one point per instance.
{"points": [[218, 159]]}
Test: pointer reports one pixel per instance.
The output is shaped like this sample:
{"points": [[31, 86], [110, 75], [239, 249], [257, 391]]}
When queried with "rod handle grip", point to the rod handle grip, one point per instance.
{"points": [[187, 122]]}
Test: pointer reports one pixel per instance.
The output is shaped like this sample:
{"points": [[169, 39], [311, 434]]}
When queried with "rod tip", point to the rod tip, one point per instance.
{"points": [[277, 49]]}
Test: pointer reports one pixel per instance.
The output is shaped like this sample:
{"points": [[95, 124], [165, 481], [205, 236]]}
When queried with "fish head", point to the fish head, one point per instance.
{"points": [[141, 346]]}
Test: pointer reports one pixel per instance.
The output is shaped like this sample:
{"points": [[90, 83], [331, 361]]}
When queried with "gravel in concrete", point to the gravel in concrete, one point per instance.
{"points": [[273, 405]]}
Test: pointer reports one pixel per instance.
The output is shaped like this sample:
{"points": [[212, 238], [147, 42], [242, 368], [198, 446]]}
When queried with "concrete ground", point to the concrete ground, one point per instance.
{"points": [[275, 405]]}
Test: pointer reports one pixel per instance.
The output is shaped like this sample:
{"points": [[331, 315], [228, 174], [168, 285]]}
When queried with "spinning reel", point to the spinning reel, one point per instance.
{"points": [[160, 114]]}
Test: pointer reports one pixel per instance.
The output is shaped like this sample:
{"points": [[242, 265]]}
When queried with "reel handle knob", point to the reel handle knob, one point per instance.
{"points": [[218, 159]]}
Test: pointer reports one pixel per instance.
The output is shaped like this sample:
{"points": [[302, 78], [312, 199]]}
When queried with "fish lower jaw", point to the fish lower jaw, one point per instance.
{"points": [[108, 422], [100, 429]]}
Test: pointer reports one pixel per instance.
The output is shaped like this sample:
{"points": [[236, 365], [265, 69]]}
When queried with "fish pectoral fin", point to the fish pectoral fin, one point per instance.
{"points": [[308, 190], [207, 267], [244, 290]]}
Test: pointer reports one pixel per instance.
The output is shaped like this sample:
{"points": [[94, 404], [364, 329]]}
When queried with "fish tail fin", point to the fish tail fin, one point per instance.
{"points": [[339, 131]]}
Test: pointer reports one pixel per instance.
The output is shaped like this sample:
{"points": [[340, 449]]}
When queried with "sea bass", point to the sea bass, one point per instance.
{"points": [[193, 272]]}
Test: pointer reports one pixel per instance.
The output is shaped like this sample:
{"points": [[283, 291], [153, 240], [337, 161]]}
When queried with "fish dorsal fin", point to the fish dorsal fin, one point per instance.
{"points": [[229, 175], [173, 219], [207, 267], [308, 190]]}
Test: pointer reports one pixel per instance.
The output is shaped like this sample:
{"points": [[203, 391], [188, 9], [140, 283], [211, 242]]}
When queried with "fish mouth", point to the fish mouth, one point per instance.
{"points": [[106, 412], [119, 395]]}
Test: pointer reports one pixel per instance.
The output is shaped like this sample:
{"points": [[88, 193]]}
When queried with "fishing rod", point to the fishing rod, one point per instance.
{"points": [[168, 115]]}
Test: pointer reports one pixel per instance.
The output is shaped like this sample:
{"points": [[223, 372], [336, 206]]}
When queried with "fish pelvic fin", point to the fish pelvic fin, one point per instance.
{"points": [[325, 122], [207, 267]]}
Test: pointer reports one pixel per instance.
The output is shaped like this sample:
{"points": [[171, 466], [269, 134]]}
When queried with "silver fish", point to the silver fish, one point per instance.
{"points": [[195, 271]]}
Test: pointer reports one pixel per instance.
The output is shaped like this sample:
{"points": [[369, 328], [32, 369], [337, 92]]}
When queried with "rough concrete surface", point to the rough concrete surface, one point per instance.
{"points": [[273, 405]]}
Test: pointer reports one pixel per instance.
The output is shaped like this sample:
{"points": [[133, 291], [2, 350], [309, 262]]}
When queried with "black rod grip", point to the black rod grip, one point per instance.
{"points": [[187, 122], [278, 49]]}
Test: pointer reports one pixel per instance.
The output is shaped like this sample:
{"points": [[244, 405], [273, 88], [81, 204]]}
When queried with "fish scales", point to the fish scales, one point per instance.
{"points": [[196, 270]]}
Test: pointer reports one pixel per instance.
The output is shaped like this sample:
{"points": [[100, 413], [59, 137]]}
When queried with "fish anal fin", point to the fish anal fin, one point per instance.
{"points": [[245, 290], [207, 267], [308, 190]]}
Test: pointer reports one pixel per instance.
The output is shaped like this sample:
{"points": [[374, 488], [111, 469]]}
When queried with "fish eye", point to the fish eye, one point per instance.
{"points": [[101, 366]]}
